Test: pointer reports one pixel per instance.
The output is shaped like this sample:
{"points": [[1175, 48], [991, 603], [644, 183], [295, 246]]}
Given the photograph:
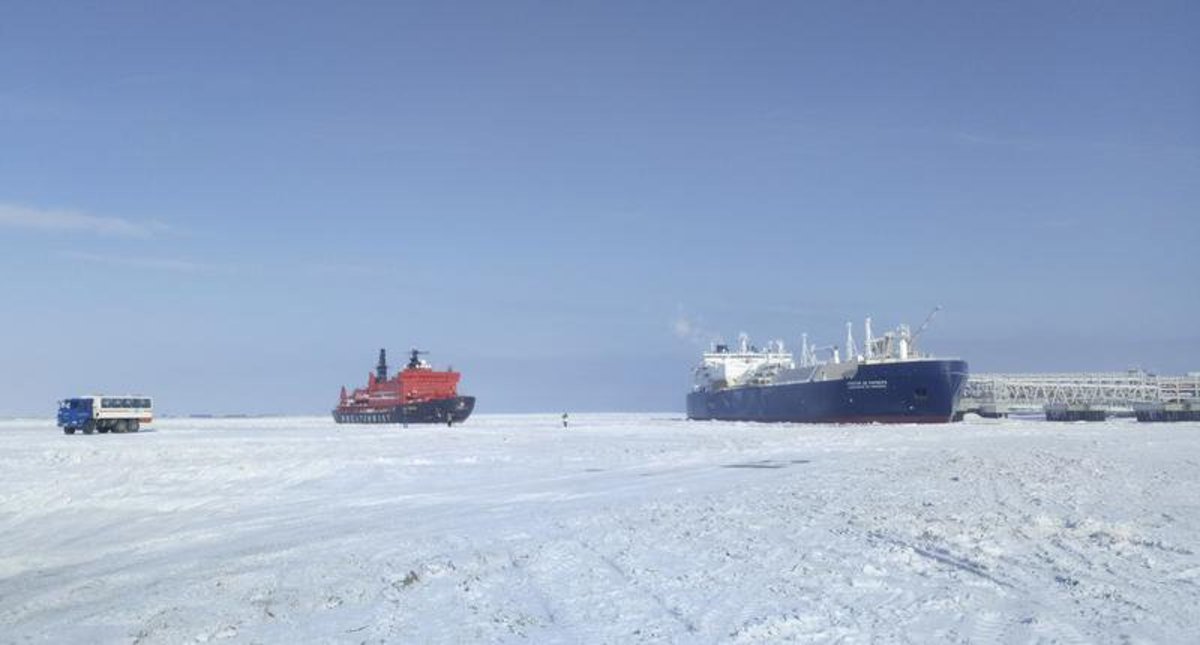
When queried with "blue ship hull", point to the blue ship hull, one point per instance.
{"points": [[919, 391]]}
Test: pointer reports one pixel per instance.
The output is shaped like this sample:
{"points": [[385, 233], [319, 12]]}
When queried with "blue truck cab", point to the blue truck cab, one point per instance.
{"points": [[104, 413], [75, 414]]}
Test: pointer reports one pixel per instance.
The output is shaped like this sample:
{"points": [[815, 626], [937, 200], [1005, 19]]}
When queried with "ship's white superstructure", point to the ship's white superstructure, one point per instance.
{"points": [[747, 364], [724, 367]]}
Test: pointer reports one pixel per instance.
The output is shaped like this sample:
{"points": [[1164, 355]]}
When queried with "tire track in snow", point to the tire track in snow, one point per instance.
{"points": [[666, 608]]}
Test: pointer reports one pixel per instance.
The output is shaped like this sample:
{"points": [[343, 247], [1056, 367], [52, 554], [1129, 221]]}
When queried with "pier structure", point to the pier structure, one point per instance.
{"points": [[993, 395]]}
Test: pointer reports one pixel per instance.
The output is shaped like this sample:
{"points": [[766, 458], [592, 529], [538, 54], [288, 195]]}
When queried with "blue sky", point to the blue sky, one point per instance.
{"points": [[232, 206]]}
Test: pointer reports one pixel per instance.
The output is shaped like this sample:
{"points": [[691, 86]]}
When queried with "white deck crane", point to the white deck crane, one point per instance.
{"points": [[925, 325]]}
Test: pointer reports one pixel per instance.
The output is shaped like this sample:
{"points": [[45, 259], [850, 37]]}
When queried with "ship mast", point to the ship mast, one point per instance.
{"points": [[851, 349], [381, 368], [868, 340]]}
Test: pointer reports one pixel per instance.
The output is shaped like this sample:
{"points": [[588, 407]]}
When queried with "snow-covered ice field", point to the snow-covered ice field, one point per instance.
{"points": [[619, 529]]}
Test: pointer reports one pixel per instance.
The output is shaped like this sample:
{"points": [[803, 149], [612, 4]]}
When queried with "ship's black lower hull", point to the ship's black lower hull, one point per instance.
{"points": [[447, 411], [1158, 414], [922, 391]]}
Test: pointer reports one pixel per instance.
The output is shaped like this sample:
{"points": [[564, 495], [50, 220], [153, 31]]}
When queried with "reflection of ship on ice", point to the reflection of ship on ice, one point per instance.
{"points": [[889, 382], [417, 394]]}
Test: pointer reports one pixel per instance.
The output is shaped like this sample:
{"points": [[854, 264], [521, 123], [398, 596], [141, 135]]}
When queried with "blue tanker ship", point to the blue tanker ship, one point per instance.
{"points": [[889, 382]]}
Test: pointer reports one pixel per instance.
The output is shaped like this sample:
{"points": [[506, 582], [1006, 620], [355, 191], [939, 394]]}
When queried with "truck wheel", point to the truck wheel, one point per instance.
{"points": [[69, 430], [103, 428], [134, 426]]}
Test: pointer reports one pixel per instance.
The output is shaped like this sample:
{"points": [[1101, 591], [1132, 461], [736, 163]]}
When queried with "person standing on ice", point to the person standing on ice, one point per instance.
{"points": [[564, 419]]}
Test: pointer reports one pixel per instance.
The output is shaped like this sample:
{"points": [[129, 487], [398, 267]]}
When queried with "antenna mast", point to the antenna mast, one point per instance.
{"points": [[381, 368], [851, 350]]}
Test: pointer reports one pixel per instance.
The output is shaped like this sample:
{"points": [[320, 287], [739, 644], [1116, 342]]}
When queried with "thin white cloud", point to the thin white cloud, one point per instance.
{"points": [[985, 139], [338, 269], [1038, 143], [15, 106], [16, 216], [154, 264]]}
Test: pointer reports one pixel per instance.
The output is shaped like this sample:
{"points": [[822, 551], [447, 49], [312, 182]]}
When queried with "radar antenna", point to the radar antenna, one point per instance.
{"points": [[414, 360]]}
